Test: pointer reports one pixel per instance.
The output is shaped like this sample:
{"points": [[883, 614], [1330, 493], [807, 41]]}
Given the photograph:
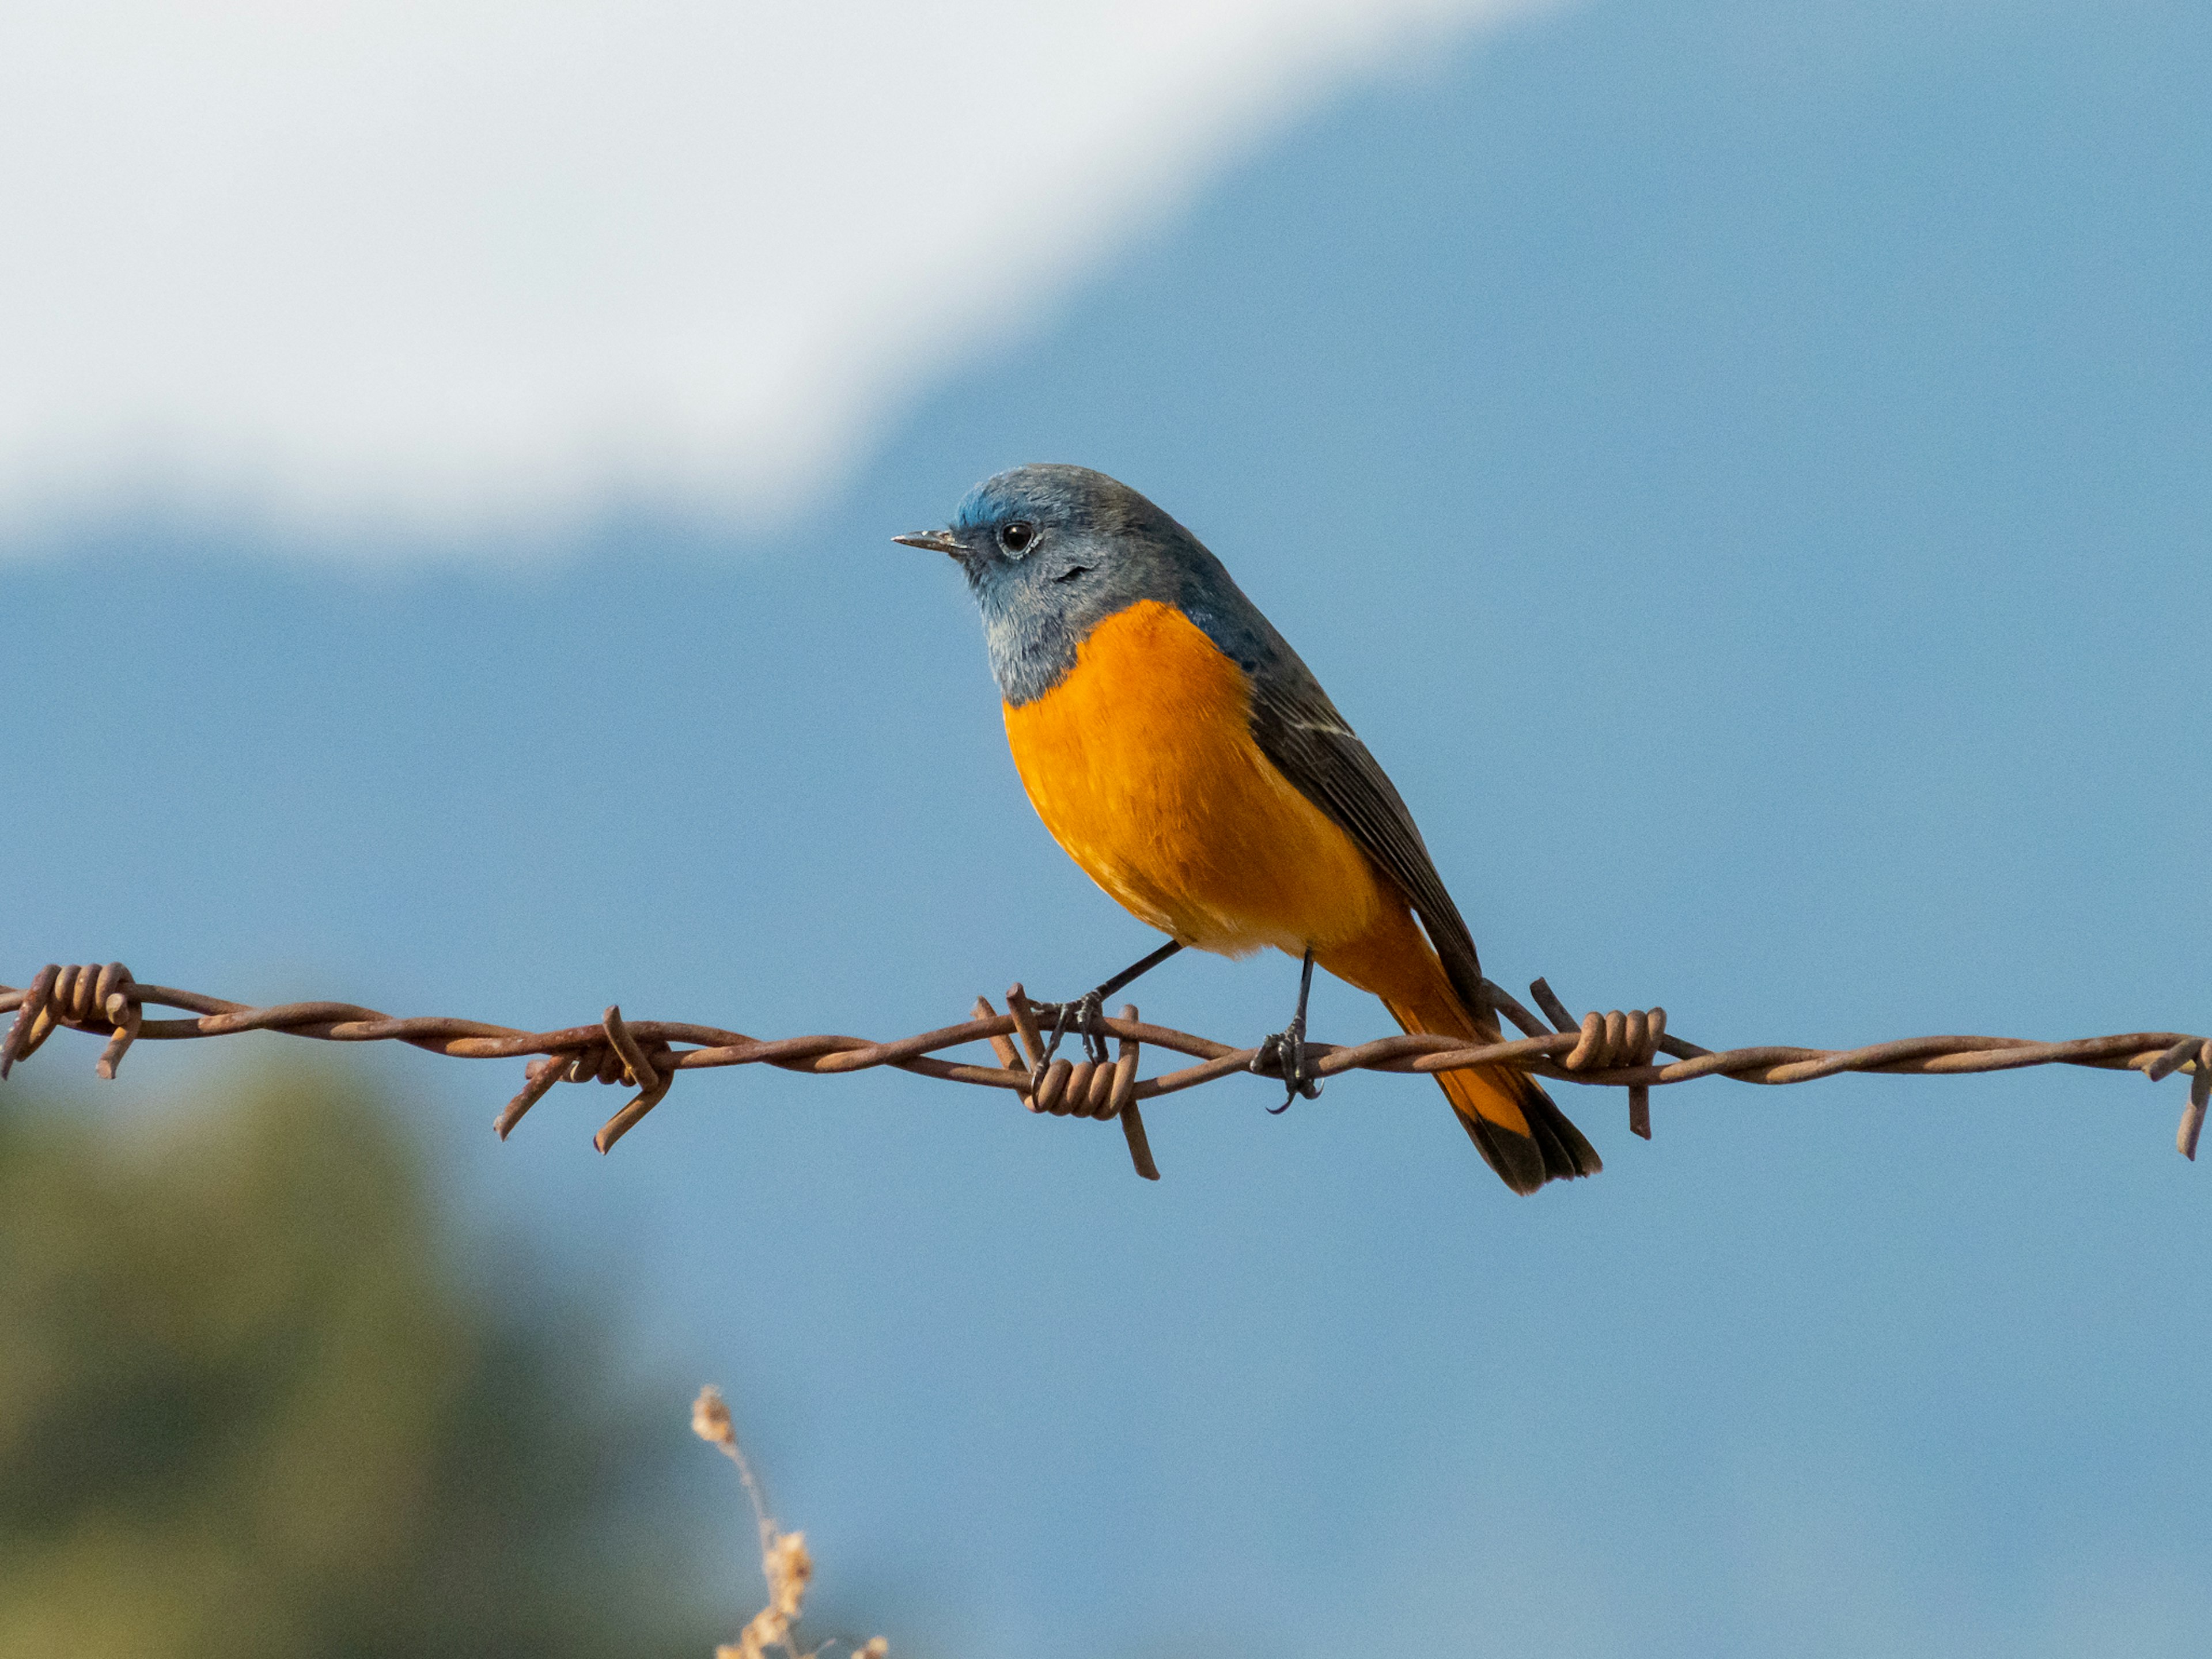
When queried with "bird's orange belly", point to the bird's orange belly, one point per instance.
{"points": [[1141, 763]]}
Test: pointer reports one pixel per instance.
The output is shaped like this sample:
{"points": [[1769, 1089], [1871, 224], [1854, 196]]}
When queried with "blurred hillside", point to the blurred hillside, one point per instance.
{"points": [[248, 1407]]}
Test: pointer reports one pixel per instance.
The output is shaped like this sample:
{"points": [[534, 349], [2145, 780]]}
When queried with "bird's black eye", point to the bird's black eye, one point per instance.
{"points": [[1016, 537]]}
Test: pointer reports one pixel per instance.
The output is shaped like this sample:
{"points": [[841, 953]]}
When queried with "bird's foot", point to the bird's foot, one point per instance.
{"points": [[1085, 1017], [1284, 1055]]}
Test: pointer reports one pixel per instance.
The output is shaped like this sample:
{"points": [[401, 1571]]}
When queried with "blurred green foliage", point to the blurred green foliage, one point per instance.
{"points": [[248, 1407]]}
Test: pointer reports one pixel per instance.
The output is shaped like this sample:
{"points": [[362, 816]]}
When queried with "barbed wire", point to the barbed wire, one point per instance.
{"points": [[1614, 1050]]}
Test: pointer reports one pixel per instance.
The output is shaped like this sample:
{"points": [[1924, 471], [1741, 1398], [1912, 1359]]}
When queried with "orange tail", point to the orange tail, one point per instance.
{"points": [[1503, 1109]]}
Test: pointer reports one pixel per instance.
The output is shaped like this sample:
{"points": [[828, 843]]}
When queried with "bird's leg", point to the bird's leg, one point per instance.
{"points": [[1083, 1015], [1284, 1054]]}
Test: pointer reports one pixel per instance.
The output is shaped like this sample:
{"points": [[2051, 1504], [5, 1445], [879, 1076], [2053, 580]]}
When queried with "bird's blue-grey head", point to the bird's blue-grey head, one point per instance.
{"points": [[1051, 551]]}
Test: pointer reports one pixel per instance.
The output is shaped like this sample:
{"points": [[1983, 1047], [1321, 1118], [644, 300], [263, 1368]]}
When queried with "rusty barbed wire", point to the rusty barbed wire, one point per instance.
{"points": [[1614, 1050]]}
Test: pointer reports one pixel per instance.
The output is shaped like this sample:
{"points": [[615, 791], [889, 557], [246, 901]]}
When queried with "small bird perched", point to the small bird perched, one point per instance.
{"points": [[1182, 754]]}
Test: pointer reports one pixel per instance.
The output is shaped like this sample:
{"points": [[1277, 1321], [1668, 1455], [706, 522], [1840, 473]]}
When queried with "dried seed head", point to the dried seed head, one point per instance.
{"points": [[788, 1567], [768, 1629], [876, 1649], [710, 1417]]}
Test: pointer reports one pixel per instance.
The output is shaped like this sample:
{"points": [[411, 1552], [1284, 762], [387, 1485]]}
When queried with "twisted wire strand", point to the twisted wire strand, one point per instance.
{"points": [[1618, 1049]]}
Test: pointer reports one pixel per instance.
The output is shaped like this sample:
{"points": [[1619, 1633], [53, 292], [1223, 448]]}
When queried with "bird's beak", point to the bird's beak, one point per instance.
{"points": [[936, 541]]}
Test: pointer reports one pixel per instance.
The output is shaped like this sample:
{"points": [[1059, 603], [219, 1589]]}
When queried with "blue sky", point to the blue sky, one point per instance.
{"points": [[1747, 473]]}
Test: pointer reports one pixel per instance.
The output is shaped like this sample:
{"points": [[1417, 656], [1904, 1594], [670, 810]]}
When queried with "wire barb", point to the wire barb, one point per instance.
{"points": [[1122, 1103], [2200, 1095], [1025, 1021], [1611, 1041], [640, 1072], [542, 1075], [1618, 1049]]}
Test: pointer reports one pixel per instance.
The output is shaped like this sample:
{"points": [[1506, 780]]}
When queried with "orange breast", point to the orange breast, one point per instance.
{"points": [[1141, 763]]}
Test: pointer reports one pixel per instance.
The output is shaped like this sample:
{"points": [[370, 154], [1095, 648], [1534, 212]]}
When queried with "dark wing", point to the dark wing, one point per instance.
{"points": [[1299, 730]]}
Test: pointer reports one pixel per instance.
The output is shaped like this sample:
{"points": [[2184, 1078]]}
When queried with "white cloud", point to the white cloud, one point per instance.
{"points": [[393, 265]]}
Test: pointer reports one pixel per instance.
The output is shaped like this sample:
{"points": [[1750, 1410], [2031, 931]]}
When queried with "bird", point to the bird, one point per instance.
{"points": [[1183, 756]]}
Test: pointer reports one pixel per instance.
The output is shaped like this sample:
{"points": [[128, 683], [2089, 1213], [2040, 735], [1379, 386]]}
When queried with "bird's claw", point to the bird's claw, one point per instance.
{"points": [[1284, 1055]]}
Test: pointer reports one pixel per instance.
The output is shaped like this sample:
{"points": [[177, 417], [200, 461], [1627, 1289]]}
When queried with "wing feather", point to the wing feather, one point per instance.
{"points": [[1299, 730]]}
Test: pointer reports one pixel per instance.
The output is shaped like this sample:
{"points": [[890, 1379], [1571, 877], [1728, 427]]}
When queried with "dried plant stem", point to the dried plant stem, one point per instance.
{"points": [[786, 1567]]}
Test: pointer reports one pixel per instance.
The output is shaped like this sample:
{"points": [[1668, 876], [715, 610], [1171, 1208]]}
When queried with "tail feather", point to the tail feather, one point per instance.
{"points": [[1503, 1109], [1513, 1123], [1551, 1149]]}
